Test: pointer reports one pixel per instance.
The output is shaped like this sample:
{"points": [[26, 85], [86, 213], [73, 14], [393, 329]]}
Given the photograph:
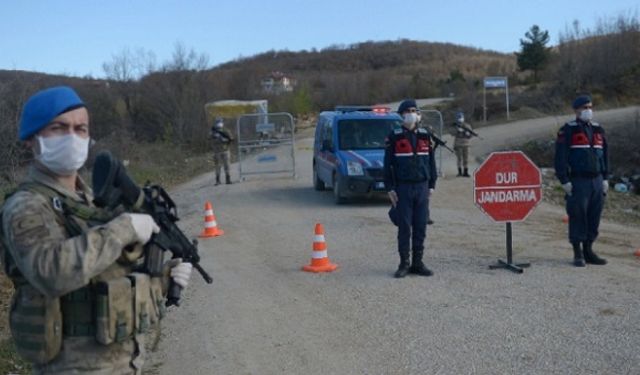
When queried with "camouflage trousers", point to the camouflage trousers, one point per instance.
{"points": [[462, 154], [84, 355], [221, 159]]}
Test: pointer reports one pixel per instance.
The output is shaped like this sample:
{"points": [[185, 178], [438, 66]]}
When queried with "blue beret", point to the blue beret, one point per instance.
{"points": [[406, 104], [581, 100], [46, 105]]}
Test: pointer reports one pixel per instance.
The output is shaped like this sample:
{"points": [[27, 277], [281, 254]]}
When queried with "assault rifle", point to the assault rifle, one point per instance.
{"points": [[466, 129], [220, 134], [436, 139], [114, 190]]}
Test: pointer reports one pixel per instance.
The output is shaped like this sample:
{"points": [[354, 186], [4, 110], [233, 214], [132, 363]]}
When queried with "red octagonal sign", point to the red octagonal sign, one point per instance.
{"points": [[507, 186]]}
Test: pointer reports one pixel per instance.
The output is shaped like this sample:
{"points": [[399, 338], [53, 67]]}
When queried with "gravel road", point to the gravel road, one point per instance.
{"points": [[263, 315]]}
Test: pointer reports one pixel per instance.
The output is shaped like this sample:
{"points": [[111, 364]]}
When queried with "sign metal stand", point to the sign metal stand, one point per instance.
{"points": [[517, 268]]}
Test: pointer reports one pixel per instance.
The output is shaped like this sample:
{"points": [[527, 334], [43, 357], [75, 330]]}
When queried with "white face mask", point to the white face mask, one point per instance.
{"points": [[586, 115], [460, 120], [410, 118], [63, 154]]}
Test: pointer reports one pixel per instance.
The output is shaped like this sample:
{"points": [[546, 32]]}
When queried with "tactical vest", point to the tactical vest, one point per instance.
{"points": [[103, 309], [411, 164]]}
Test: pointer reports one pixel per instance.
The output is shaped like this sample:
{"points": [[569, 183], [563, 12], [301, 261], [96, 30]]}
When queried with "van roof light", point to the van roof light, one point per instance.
{"points": [[359, 108]]}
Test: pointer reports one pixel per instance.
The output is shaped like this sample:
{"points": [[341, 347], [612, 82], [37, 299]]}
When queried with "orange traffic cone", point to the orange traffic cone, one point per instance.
{"points": [[637, 253], [210, 224], [319, 259]]}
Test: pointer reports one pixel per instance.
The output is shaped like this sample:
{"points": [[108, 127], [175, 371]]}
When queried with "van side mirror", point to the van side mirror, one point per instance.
{"points": [[327, 145]]}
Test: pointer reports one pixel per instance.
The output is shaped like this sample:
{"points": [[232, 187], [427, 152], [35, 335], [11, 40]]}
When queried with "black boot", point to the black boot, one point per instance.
{"points": [[459, 172], [466, 172], [591, 257], [217, 180], [228, 180], [417, 267], [403, 268], [578, 259]]}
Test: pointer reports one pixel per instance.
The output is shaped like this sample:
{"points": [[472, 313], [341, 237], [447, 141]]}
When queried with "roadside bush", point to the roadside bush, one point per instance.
{"points": [[541, 152]]}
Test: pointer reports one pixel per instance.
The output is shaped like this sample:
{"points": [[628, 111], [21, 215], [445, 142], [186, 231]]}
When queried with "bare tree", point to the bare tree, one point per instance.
{"points": [[125, 69]]}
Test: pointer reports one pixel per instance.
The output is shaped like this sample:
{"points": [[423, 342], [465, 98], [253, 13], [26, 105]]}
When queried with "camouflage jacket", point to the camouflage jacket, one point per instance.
{"points": [[461, 137], [222, 139], [41, 249]]}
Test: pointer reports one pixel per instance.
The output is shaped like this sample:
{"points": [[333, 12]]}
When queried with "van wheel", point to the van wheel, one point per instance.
{"points": [[338, 198], [318, 184]]}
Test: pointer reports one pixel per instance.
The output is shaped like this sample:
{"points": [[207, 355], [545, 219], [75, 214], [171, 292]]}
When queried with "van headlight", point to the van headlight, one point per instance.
{"points": [[354, 168]]}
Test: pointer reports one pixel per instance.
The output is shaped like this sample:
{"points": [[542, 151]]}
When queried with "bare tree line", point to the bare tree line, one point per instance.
{"points": [[605, 60]]}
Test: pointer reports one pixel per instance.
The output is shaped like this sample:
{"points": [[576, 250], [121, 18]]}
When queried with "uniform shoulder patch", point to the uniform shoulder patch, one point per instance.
{"points": [[572, 123], [397, 130], [422, 131], [595, 124]]}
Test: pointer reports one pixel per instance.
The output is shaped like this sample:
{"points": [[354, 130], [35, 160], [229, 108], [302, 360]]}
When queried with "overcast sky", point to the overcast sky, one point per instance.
{"points": [[75, 37]]}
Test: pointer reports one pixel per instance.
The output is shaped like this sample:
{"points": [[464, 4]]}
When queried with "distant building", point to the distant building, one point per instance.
{"points": [[277, 83]]}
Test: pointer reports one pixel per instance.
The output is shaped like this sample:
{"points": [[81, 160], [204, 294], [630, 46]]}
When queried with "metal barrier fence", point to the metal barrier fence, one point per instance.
{"points": [[266, 144], [432, 119]]}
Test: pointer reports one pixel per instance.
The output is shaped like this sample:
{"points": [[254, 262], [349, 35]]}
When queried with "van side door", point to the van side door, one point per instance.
{"points": [[326, 161]]}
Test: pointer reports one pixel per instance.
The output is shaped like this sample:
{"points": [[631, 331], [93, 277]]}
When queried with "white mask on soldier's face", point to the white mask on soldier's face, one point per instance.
{"points": [[586, 115], [410, 118], [63, 154]]}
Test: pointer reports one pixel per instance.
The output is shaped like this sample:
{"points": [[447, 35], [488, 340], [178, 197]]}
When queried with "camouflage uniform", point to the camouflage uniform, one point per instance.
{"points": [[461, 144], [221, 154], [46, 262]]}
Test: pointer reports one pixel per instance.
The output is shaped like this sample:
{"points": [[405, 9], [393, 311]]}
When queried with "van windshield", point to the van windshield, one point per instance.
{"points": [[363, 134]]}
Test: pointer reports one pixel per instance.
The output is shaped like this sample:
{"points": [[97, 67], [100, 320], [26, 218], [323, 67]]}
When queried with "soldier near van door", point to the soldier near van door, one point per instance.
{"points": [[222, 140], [74, 301], [462, 134], [410, 178], [582, 165]]}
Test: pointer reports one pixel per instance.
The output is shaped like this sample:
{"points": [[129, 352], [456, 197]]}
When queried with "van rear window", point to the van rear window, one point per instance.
{"points": [[362, 134]]}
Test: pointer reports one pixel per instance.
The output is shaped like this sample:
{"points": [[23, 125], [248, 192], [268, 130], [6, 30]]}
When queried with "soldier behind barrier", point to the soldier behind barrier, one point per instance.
{"points": [[78, 305], [222, 140], [463, 132]]}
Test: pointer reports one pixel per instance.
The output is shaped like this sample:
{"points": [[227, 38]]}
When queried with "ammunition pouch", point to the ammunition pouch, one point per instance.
{"points": [[148, 304], [126, 306], [36, 325], [114, 320]]}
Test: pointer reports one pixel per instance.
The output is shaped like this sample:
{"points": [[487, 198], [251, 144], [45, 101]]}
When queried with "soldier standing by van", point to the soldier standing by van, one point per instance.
{"points": [[410, 177], [582, 165], [221, 141], [72, 310], [462, 139]]}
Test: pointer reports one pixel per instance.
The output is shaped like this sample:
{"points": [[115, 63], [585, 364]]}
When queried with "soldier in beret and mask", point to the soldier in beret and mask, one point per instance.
{"points": [[582, 165], [77, 307]]}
